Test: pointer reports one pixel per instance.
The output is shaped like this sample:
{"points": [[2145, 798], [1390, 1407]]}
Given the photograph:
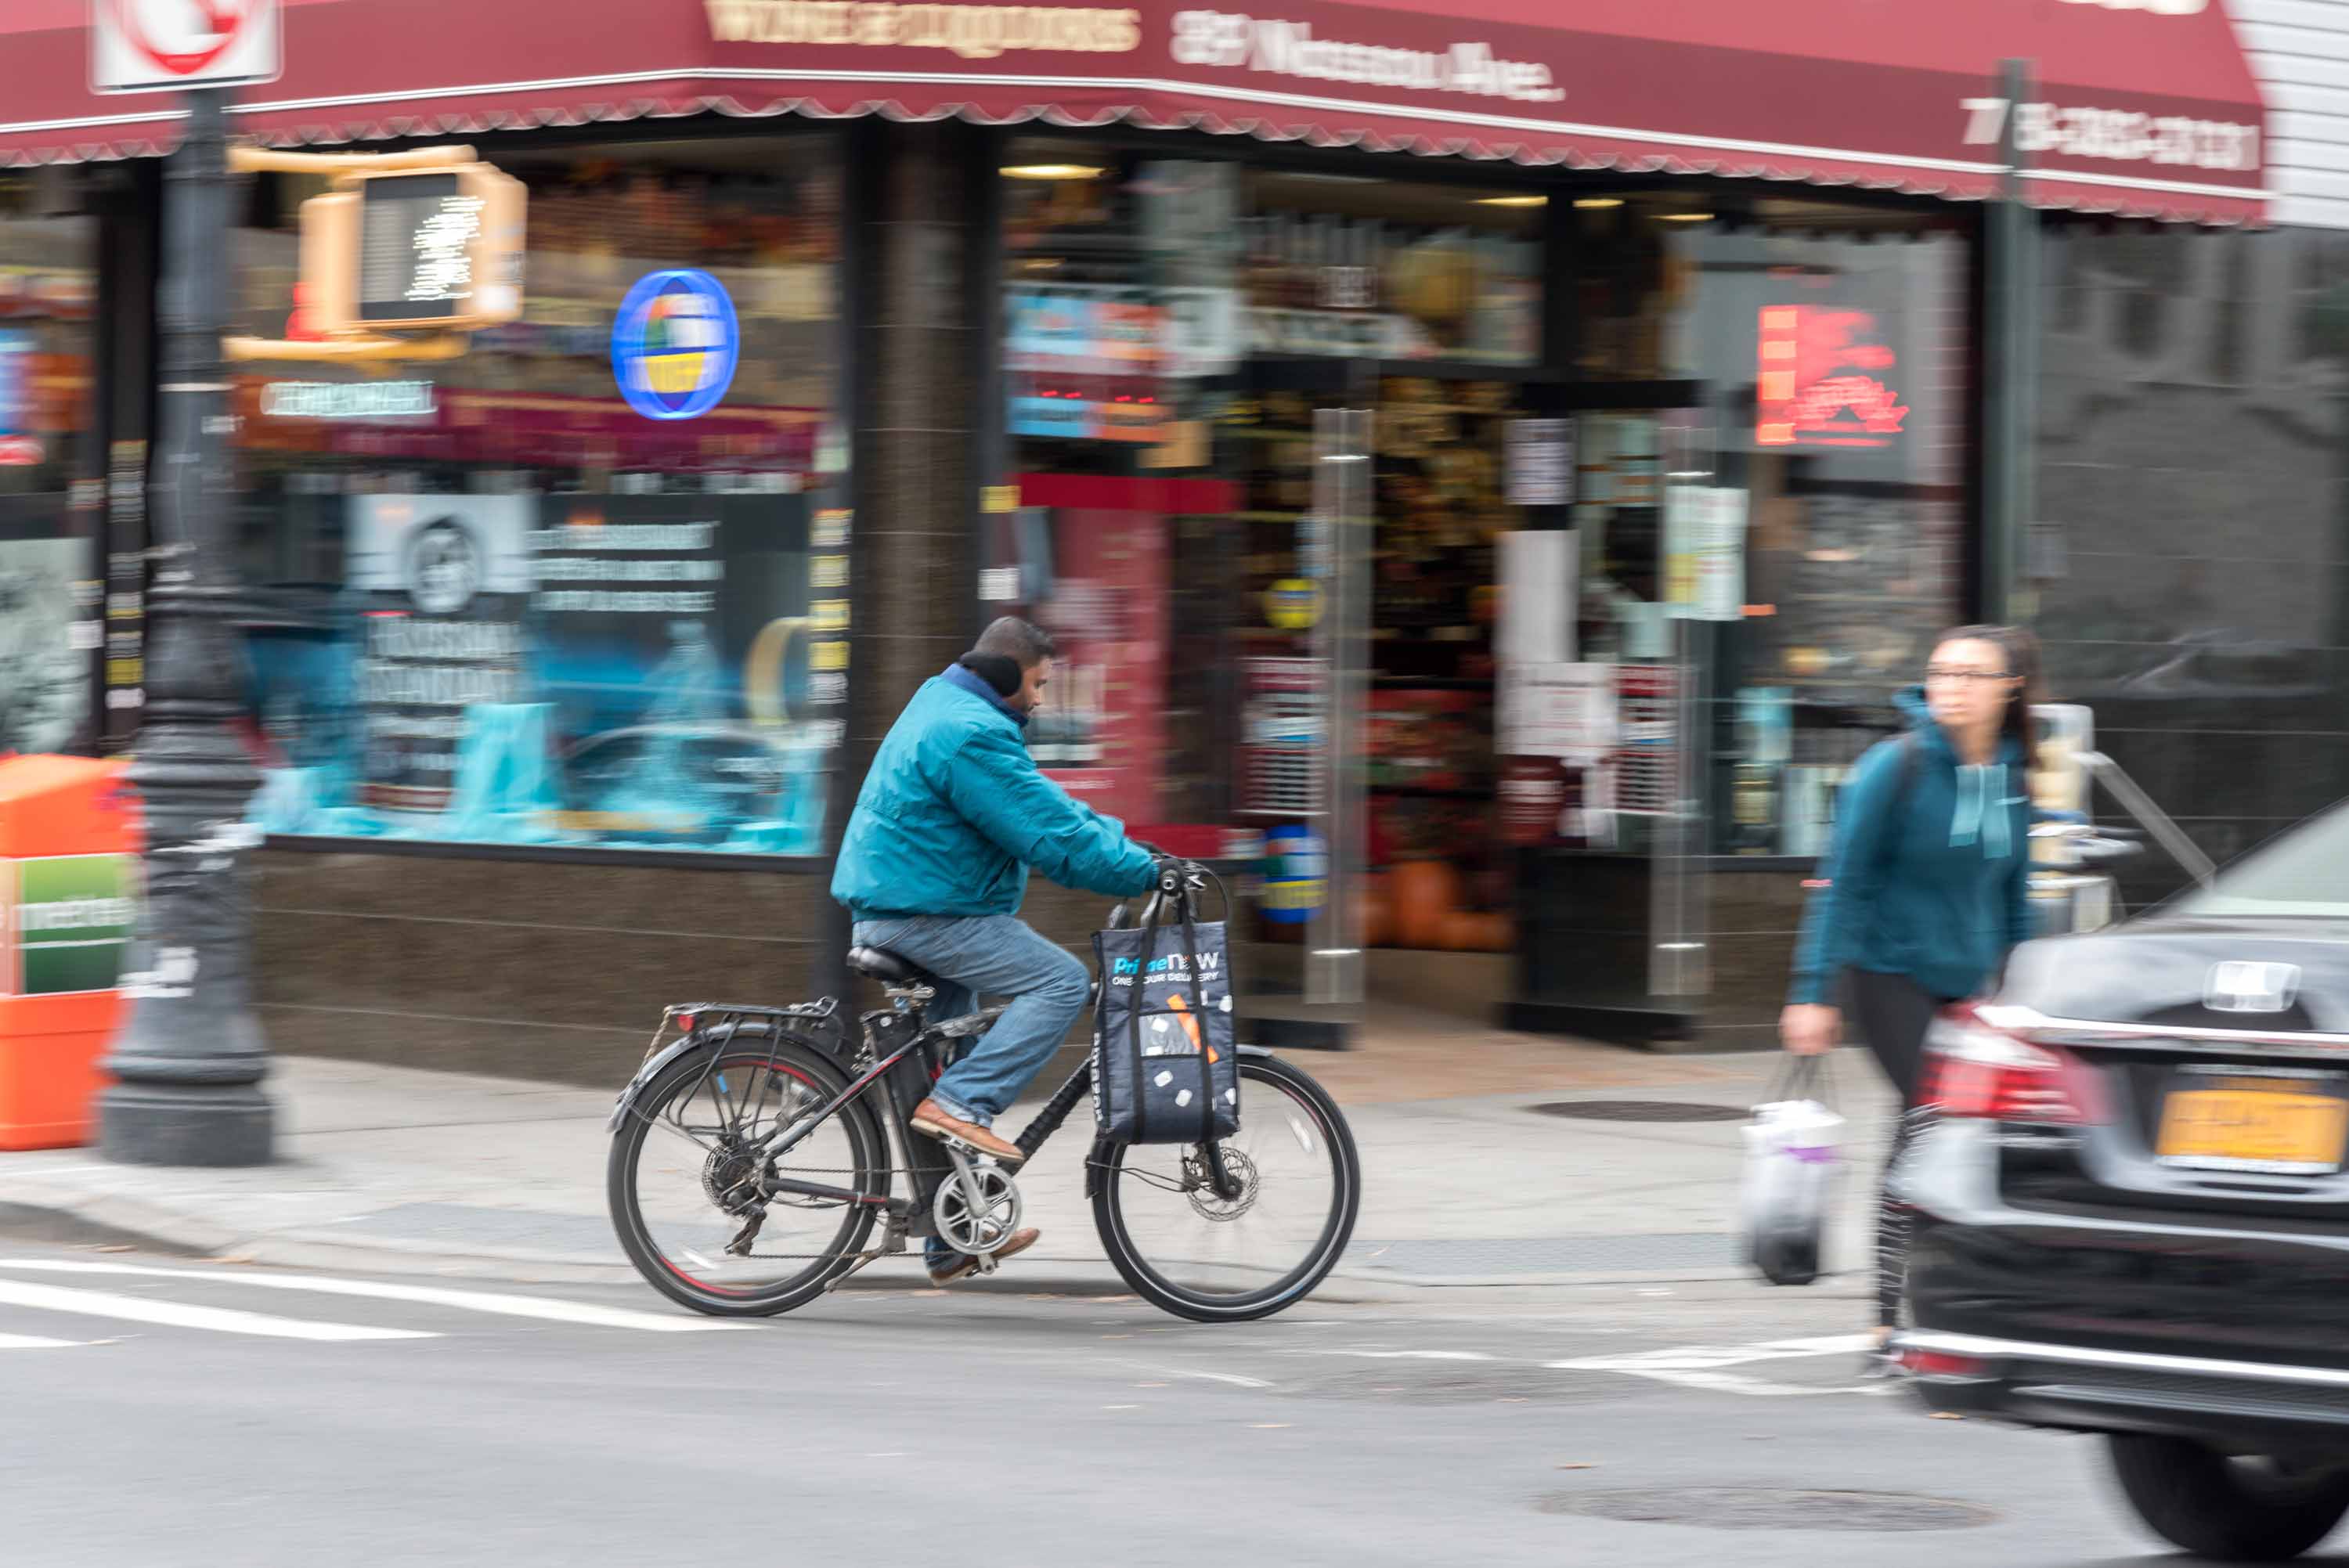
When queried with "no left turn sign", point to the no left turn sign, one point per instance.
{"points": [[159, 45]]}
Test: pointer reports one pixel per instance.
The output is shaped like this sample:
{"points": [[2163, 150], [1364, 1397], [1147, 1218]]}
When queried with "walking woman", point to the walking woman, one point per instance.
{"points": [[1926, 889]]}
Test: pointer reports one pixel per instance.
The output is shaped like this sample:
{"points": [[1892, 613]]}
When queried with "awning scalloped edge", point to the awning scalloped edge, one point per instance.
{"points": [[161, 143]]}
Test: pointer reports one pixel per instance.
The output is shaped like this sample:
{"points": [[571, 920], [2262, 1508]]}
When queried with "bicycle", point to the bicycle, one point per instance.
{"points": [[775, 1101]]}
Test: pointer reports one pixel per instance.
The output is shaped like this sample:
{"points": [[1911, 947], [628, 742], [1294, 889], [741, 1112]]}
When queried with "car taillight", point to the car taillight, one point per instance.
{"points": [[1978, 1071]]}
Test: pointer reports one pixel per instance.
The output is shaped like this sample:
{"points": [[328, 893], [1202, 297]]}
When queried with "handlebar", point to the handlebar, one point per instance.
{"points": [[1177, 878]]}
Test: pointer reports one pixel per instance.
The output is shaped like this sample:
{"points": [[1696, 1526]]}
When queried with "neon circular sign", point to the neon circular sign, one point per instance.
{"points": [[675, 344]]}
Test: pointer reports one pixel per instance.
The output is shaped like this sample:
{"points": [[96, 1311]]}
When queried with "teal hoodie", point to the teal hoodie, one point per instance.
{"points": [[1933, 886]]}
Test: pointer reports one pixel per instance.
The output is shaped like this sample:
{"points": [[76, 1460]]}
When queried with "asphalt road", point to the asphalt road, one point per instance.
{"points": [[163, 1412]]}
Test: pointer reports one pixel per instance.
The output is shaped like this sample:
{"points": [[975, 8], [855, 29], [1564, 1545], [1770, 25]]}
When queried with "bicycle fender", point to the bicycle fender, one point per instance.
{"points": [[646, 1074], [700, 1040], [1102, 1146]]}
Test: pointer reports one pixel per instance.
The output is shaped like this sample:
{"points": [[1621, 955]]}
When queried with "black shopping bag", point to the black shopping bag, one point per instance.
{"points": [[1165, 1070]]}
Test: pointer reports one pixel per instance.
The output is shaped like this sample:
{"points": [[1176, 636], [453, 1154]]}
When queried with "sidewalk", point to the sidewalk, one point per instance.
{"points": [[395, 1169]]}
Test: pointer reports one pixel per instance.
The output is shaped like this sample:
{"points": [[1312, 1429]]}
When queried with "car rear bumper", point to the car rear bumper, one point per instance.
{"points": [[2251, 1404]]}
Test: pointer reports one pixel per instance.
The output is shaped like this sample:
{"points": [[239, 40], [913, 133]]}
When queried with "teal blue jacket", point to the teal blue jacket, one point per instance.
{"points": [[1928, 877], [954, 813]]}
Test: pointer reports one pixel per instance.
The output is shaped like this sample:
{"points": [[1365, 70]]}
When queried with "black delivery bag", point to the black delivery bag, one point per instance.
{"points": [[1165, 1070]]}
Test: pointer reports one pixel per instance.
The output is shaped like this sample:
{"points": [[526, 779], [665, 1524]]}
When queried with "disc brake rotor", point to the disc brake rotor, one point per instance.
{"points": [[1212, 1205]]}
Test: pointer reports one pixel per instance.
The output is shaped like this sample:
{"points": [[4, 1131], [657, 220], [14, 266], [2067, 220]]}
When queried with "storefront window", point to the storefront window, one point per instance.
{"points": [[586, 585], [1831, 343], [48, 587], [1685, 548]]}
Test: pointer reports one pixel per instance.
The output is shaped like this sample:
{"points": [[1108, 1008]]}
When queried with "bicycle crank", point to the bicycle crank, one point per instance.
{"points": [[976, 1208]]}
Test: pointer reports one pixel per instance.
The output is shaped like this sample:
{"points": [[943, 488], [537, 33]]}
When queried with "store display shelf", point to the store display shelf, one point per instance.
{"points": [[1432, 683]]}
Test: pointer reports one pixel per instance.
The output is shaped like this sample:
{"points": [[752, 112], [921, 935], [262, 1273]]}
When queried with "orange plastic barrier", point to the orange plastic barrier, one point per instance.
{"points": [[69, 901]]}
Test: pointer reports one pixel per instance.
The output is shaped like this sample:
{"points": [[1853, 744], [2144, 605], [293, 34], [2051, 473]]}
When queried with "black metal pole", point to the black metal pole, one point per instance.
{"points": [[191, 1057], [2011, 361]]}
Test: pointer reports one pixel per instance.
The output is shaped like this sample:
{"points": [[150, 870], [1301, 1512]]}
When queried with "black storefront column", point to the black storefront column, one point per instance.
{"points": [[191, 1057], [920, 298]]}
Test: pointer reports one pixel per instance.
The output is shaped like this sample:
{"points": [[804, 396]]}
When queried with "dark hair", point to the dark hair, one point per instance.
{"points": [[1024, 643], [2022, 651]]}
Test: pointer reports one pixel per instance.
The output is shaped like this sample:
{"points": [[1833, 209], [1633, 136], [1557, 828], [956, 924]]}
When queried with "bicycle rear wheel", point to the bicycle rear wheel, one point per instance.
{"points": [[684, 1178], [1190, 1252]]}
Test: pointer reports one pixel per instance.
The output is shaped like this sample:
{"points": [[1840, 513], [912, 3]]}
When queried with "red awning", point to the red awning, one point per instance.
{"points": [[2145, 107]]}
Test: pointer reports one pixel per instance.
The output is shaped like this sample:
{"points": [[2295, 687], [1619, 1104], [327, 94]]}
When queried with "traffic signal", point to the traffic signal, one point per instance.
{"points": [[411, 249]]}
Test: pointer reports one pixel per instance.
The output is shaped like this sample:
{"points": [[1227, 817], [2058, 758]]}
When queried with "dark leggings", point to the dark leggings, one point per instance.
{"points": [[1892, 1013]]}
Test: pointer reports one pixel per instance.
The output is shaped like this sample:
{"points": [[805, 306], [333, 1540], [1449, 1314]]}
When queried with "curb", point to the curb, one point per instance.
{"points": [[104, 1220]]}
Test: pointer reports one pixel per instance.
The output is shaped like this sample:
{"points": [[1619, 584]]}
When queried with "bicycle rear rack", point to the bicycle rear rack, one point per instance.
{"points": [[687, 1016]]}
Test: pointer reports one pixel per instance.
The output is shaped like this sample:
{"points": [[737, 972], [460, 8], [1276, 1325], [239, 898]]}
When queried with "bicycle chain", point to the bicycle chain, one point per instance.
{"points": [[842, 1171]]}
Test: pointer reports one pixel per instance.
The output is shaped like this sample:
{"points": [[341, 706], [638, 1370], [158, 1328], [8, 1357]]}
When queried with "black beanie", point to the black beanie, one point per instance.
{"points": [[996, 669]]}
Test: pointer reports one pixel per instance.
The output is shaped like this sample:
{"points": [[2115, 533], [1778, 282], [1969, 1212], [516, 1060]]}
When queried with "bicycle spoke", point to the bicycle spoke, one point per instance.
{"points": [[698, 1191], [1292, 1198]]}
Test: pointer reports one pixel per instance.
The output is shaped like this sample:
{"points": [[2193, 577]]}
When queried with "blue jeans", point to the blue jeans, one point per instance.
{"points": [[988, 955]]}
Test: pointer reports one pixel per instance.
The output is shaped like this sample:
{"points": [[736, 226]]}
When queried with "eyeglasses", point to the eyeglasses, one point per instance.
{"points": [[1948, 677]]}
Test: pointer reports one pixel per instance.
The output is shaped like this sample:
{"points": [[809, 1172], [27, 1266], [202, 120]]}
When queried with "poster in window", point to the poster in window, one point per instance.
{"points": [[440, 584], [1095, 578], [675, 650], [43, 676]]}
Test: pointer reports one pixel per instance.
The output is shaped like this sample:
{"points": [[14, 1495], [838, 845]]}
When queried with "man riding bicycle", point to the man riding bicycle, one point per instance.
{"points": [[933, 866]]}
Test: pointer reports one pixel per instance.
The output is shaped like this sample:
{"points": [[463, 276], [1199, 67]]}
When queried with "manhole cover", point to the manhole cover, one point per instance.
{"points": [[1639, 1110], [1766, 1508], [1404, 1384]]}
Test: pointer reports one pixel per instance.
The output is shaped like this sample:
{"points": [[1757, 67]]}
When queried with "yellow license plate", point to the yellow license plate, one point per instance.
{"points": [[2261, 1128]]}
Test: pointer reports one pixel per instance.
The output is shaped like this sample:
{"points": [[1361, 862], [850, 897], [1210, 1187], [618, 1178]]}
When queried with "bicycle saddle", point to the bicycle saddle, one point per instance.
{"points": [[887, 968]]}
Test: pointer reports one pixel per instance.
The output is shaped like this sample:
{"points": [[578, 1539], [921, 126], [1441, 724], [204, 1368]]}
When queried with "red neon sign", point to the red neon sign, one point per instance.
{"points": [[1817, 385]]}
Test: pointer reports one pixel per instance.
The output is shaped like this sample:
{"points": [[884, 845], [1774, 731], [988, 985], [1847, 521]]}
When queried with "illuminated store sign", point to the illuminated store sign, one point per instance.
{"points": [[349, 400], [1821, 383], [675, 344]]}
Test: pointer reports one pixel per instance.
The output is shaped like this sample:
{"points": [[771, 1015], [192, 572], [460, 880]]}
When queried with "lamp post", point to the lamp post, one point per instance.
{"points": [[191, 1057]]}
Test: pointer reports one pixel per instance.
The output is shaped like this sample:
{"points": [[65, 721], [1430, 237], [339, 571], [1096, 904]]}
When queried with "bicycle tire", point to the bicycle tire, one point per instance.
{"points": [[1170, 1295], [747, 1046]]}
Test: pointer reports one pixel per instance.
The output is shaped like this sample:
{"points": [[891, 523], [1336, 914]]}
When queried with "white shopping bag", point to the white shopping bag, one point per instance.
{"points": [[1793, 1156]]}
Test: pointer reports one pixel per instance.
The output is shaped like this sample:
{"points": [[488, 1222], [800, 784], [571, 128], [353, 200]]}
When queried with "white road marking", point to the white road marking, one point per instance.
{"points": [[1234, 1378], [216, 1319], [1406, 1355], [495, 1303], [35, 1342], [1701, 1366]]}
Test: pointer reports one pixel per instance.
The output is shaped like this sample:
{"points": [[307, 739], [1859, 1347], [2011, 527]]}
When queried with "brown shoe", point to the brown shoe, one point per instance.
{"points": [[965, 1266], [929, 1119]]}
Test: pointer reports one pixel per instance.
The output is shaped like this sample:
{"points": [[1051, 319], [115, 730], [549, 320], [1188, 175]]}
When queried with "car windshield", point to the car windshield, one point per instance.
{"points": [[2304, 871]]}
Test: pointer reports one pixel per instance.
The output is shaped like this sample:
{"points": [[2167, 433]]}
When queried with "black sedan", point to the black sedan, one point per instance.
{"points": [[2132, 1214]]}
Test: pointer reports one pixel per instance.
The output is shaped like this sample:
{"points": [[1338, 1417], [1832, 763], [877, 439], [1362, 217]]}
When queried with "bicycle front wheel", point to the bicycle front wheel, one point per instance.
{"points": [[1187, 1249], [687, 1172]]}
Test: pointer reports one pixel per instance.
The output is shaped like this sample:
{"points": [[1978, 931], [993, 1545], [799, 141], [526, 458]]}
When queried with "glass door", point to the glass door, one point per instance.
{"points": [[1599, 732]]}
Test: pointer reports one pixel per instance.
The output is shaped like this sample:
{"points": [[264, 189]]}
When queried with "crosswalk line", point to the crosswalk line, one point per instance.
{"points": [[496, 1303], [178, 1315]]}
